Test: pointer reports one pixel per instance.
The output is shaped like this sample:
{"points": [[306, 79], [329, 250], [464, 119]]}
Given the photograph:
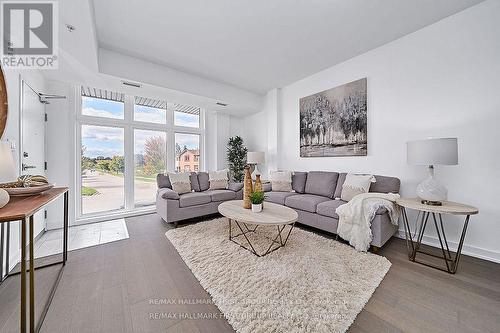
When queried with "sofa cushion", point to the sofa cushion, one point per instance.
{"points": [[321, 183], [193, 199], [278, 197], [328, 208], [383, 184], [235, 186], [195, 184], [167, 193], [203, 180], [266, 187], [221, 195], [299, 181], [340, 182], [163, 181], [306, 202]]}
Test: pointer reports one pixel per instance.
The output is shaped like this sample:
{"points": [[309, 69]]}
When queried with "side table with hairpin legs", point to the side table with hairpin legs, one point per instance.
{"points": [[436, 213]]}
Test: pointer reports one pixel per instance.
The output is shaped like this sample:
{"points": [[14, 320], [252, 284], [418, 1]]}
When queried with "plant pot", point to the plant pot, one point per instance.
{"points": [[256, 208]]}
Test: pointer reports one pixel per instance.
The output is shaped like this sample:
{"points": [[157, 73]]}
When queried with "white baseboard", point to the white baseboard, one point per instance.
{"points": [[466, 249]]}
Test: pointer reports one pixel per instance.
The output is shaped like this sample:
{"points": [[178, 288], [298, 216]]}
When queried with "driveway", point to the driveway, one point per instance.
{"points": [[111, 192]]}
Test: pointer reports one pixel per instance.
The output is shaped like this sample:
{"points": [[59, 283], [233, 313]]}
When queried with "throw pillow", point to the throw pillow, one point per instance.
{"points": [[356, 184], [218, 179], [281, 181], [181, 182]]}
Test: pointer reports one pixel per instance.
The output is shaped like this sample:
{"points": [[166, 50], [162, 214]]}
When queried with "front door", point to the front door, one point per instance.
{"points": [[32, 143]]}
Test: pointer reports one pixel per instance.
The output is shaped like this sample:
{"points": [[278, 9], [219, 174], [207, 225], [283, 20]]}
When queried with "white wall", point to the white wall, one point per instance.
{"points": [[441, 81], [218, 131], [260, 131], [12, 81], [60, 152]]}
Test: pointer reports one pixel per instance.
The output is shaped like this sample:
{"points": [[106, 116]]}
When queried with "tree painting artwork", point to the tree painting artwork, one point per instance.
{"points": [[333, 122]]}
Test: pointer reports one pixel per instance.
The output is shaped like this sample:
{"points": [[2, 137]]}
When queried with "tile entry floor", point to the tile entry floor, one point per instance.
{"points": [[81, 236]]}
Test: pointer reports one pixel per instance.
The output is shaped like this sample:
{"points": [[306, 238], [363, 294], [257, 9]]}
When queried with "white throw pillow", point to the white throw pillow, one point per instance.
{"points": [[356, 184], [219, 180], [181, 182], [281, 181]]}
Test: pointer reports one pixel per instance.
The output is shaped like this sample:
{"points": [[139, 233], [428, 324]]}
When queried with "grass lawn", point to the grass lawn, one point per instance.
{"points": [[88, 191]]}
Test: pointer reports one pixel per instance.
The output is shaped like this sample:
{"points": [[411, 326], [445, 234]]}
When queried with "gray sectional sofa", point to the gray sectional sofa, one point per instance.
{"points": [[315, 199], [173, 207]]}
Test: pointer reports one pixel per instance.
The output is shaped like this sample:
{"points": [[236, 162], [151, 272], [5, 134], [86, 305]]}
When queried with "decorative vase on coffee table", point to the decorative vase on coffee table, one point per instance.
{"points": [[247, 188], [258, 184]]}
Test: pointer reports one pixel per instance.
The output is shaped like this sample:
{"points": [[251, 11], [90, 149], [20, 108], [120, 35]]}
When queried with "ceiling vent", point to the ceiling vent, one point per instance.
{"points": [[221, 104], [132, 84]]}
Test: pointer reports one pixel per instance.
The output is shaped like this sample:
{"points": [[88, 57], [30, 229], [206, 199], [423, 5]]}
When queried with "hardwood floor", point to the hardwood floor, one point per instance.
{"points": [[130, 285]]}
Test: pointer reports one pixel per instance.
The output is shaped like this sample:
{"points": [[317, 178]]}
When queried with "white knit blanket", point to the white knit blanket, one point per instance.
{"points": [[355, 217]]}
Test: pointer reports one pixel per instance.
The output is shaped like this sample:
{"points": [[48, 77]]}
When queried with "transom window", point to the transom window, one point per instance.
{"points": [[125, 141]]}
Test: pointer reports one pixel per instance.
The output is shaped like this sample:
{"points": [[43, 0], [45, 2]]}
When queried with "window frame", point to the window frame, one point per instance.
{"points": [[129, 125]]}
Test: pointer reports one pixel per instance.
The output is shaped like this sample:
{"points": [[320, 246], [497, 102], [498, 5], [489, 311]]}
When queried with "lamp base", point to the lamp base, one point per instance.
{"points": [[255, 172], [430, 191]]}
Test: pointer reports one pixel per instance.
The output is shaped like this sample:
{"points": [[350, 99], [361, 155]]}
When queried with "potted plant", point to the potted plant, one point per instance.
{"points": [[257, 198]]}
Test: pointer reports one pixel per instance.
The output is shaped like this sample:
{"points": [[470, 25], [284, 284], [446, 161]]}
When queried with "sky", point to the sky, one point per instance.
{"points": [[108, 141]]}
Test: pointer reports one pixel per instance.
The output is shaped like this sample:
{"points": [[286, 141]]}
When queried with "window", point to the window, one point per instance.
{"points": [[102, 103], [102, 169], [187, 145], [150, 111], [150, 158], [186, 116], [125, 141]]}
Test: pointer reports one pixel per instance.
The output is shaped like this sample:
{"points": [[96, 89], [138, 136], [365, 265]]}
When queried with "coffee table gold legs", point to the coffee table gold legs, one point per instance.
{"points": [[244, 230]]}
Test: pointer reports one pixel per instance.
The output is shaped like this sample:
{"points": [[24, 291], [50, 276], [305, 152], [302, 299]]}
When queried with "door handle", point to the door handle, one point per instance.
{"points": [[25, 167]]}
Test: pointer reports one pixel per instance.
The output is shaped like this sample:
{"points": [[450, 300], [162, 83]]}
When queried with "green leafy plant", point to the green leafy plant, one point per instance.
{"points": [[257, 198], [236, 157]]}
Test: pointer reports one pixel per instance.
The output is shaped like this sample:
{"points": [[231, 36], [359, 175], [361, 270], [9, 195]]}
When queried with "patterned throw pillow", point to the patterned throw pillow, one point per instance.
{"points": [[356, 184], [281, 181], [181, 183], [218, 179]]}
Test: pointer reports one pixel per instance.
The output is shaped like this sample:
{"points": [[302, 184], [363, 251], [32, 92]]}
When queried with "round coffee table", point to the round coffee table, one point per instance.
{"points": [[247, 222]]}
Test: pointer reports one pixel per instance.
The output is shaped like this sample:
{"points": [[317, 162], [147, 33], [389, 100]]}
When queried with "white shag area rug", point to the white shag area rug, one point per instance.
{"points": [[313, 284]]}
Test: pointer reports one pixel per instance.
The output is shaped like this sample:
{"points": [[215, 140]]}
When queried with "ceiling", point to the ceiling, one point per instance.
{"points": [[259, 45]]}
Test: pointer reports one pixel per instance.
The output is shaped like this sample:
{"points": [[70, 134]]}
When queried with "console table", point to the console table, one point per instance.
{"points": [[447, 208], [23, 209]]}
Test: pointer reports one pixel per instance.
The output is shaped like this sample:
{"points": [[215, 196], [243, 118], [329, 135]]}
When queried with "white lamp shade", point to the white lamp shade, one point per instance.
{"points": [[442, 151], [255, 157], [7, 166]]}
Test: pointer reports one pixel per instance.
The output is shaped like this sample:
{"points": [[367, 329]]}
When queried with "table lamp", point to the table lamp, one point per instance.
{"points": [[430, 152], [7, 171], [254, 158]]}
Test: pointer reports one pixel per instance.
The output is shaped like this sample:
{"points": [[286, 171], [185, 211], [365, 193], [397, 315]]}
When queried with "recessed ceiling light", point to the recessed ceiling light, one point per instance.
{"points": [[221, 104]]}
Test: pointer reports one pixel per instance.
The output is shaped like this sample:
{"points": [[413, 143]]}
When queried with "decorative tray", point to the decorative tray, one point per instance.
{"points": [[27, 191]]}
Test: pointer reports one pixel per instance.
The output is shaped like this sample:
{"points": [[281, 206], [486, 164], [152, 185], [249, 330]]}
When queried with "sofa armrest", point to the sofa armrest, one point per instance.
{"points": [[167, 193], [235, 186]]}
